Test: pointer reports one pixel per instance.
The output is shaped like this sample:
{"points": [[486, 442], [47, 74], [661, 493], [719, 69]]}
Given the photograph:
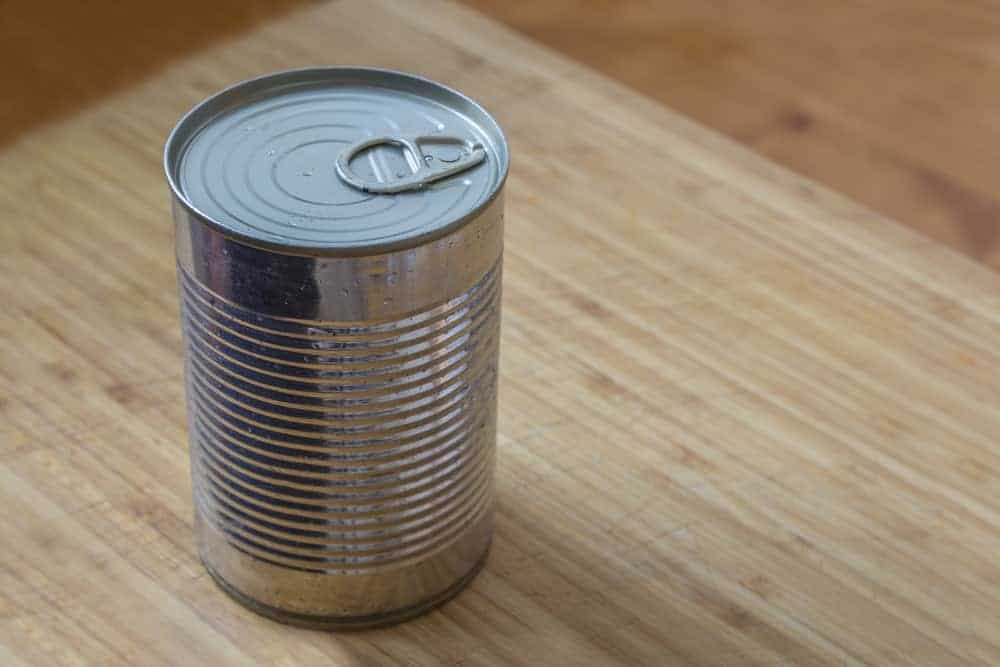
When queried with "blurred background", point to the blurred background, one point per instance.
{"points": [[893, 103]]}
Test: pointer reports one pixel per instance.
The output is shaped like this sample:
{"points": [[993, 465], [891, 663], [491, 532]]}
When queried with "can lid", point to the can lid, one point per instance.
{"points": [[336, 159]]}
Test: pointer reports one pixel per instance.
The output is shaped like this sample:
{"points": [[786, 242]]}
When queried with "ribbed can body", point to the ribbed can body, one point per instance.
{"points": [[342, 415]]}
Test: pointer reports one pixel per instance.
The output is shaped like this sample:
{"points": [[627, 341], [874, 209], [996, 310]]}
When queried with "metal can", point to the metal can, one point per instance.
{"points": [[339, 246]]}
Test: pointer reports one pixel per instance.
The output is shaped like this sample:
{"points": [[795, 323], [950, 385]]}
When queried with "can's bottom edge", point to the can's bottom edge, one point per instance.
{"points": [[348, 623]]}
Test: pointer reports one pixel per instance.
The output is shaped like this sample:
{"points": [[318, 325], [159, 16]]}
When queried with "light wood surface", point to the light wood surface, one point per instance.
{"points": [[892, 102], [742, 419]]}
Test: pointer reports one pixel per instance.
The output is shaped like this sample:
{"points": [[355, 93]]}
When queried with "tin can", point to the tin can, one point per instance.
{"points": [[339, 247]]}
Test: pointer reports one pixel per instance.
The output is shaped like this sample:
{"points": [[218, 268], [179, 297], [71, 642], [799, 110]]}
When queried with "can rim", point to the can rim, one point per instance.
{"points": [[218, 103]]}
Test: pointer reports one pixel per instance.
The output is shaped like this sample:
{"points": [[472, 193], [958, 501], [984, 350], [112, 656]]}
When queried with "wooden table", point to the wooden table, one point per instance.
{"points": [[892, 102], [743, 420]]}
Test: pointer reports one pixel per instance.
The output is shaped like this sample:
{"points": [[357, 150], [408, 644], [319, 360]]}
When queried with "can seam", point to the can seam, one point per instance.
{"points": [[348, 623]]}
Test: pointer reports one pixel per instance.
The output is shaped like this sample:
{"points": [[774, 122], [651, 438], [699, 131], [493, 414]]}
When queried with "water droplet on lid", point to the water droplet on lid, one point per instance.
{"points": [[392, 278], [466, 182], [428, 159], [450, 154], [345, 291], [307, 172], [271, 153], [387, 300], [439, 127]]}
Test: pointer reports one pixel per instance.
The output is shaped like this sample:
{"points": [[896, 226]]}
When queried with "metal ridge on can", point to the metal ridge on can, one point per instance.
{"points": [[339, 239], [293, 198]]}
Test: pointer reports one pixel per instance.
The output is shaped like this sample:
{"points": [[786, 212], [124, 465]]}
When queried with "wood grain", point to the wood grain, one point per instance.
{"points": [[743, 420], [893, 103]]}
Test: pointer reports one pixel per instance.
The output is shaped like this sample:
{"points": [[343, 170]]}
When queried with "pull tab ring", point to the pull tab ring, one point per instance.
{"points": [[421, 174]]}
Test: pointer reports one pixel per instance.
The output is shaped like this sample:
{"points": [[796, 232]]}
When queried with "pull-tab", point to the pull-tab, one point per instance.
{"points": [[421, 174]]}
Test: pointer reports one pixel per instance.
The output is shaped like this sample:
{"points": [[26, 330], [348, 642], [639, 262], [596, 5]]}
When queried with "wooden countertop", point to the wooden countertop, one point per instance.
{"points": [[893, 103], [743, 420]]}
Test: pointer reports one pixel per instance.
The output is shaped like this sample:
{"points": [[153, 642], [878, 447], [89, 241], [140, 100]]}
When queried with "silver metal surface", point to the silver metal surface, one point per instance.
{"points": [[259, 160], [422, 174], [342, 398]]}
